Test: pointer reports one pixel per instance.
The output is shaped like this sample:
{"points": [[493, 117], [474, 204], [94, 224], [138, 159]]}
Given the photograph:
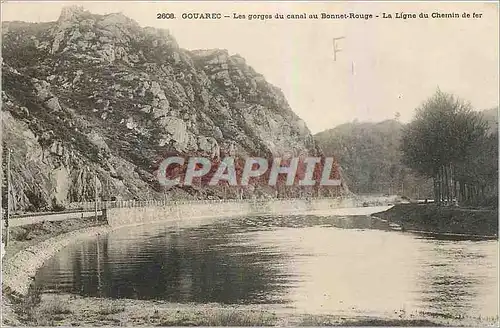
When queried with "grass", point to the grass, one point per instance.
{"points": [[72, 310], [239, 318], [111, 309], [219, 317], [56, 307], [322, 321], [50, 312]]}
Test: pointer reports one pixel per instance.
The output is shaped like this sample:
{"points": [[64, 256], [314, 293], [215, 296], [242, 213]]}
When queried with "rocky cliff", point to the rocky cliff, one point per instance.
{"points": [[91, 95]]}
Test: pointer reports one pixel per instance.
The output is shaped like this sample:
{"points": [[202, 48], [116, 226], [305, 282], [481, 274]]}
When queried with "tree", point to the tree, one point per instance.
{"points": [[446, 141]]}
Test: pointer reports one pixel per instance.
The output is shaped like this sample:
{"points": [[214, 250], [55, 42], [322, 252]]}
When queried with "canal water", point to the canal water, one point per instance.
{"points": [[348, 264]]}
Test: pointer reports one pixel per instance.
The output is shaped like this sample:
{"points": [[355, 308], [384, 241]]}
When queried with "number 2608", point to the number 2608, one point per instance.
{"points": [[165, 16]]}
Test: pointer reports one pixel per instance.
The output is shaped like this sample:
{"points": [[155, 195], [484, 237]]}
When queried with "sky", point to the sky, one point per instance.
{"points": [[384, 66]]}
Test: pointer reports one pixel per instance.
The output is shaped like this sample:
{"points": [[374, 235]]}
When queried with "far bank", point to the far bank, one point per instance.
{"points": [[441, 219]]}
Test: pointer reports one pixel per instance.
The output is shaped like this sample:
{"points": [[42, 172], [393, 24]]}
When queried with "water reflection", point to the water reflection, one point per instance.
{"points": [[158, 263], [316, 264]]}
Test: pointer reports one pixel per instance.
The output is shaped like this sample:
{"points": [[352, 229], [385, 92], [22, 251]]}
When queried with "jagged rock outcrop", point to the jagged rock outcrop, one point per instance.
{"points": [[91, 94]]}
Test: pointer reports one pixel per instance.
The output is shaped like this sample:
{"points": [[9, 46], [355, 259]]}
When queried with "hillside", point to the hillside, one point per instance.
{"points": [[491, 117], [91, 95], [370, 158]]}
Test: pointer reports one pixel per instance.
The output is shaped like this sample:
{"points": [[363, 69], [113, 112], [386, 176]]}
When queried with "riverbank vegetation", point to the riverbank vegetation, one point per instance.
{"points": [[448, 152], [69, 310], [454, 145]]}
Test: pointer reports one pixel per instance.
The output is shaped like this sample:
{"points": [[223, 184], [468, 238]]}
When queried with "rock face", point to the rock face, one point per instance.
{"points": [[99, 95]]}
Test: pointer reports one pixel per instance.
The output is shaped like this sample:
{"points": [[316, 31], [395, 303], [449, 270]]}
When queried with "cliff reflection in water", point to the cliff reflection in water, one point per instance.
{"points": [[159, 262]]}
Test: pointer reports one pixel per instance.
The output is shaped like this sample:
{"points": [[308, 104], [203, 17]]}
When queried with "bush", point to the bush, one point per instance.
{"points": [[56, 207]]}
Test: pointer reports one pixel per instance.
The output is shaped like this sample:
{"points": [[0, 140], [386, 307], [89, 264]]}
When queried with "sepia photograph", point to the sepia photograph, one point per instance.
{"points": [[249, 163]]}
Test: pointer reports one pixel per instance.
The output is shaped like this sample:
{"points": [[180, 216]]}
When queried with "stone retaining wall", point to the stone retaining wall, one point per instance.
{"points": [[183, 212]]}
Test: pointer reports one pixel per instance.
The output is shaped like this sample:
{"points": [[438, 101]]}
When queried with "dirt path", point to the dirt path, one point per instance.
{"points": [[22, 221]]}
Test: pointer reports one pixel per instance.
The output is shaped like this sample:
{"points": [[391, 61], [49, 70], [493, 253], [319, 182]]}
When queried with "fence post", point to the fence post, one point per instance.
{"points": [[8, 201]]}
